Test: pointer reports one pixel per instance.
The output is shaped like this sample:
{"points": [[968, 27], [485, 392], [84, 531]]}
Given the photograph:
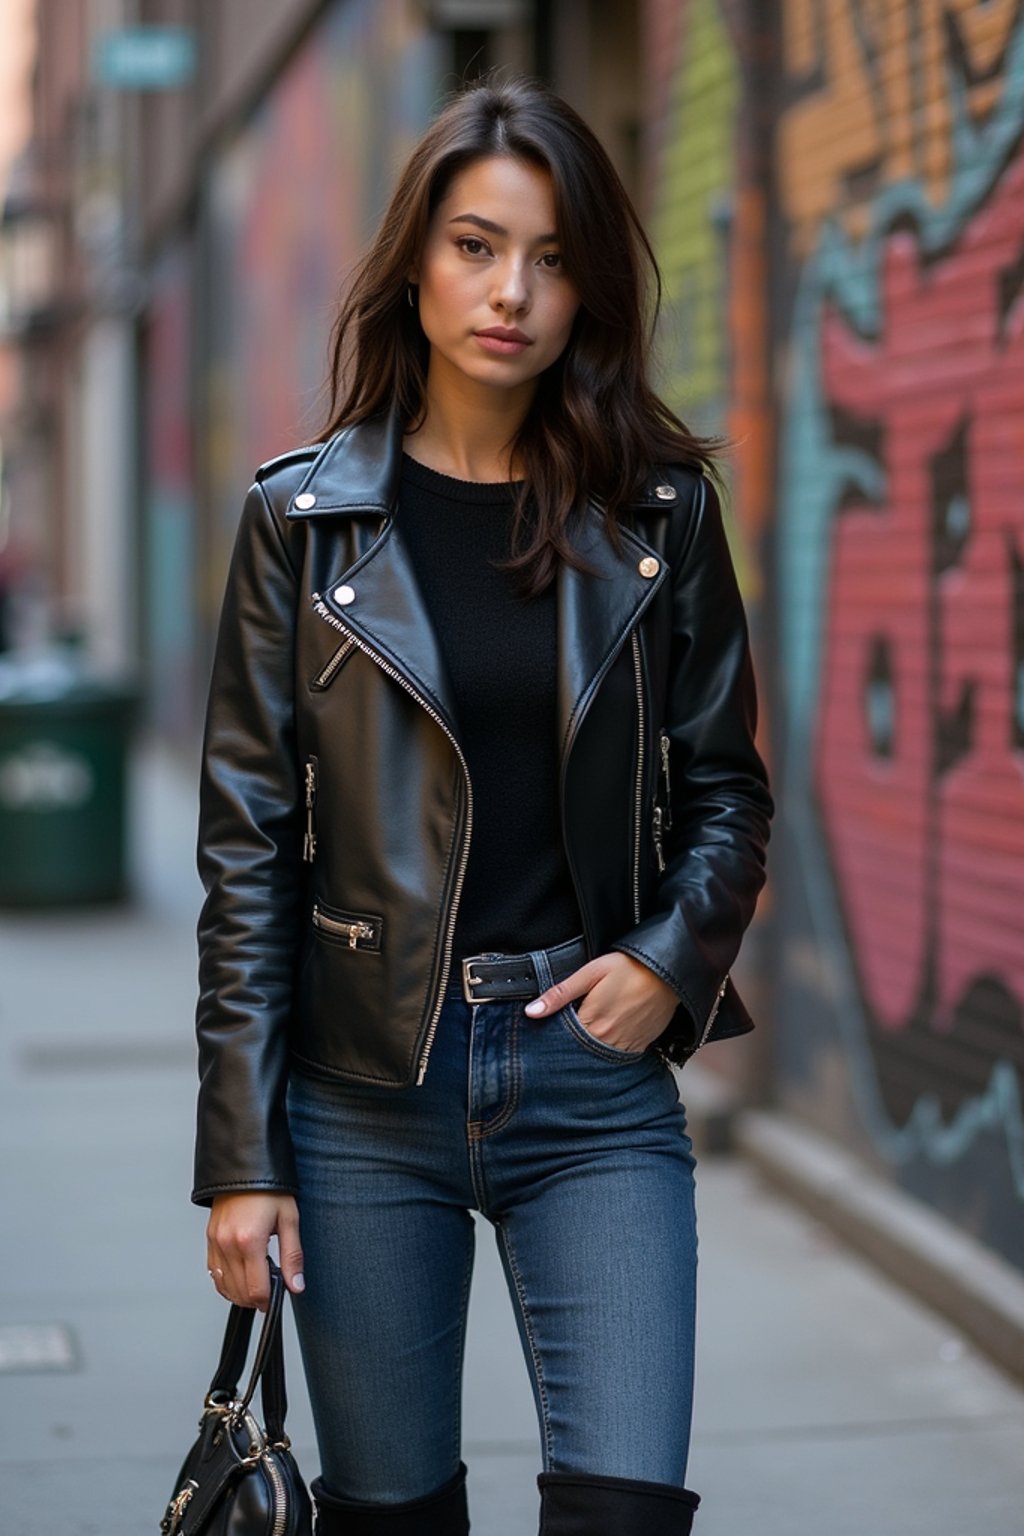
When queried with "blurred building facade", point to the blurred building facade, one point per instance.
{"points": [[836, 194]]}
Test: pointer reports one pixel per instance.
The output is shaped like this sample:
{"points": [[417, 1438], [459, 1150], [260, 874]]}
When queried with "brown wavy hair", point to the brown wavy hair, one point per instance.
{"points": [[595, 421]]}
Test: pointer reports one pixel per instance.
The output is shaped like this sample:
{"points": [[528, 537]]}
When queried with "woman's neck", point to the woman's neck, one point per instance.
{"points": [[467, 430]]}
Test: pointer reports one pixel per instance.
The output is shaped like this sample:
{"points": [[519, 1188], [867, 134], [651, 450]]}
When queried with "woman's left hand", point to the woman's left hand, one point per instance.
{"points": [[622, 1002]]}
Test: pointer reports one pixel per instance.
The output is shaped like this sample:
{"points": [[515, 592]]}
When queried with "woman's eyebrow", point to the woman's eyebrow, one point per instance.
{"points": [[494, 229]]}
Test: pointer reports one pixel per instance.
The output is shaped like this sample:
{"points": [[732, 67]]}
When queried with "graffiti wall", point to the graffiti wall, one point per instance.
{"points": [[705, 205], [890, 218], [706, 213], [900, 168]]}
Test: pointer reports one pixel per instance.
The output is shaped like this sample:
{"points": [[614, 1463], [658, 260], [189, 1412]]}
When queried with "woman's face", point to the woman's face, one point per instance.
{"points": [[494, 301]]}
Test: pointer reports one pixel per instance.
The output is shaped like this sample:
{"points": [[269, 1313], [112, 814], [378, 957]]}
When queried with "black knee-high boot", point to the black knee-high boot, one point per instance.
{"points": [[442, 1513], [575, 1504]]}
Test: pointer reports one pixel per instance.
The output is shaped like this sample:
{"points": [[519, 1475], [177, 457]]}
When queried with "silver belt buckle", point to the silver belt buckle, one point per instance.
{"points": [[469, 981]]}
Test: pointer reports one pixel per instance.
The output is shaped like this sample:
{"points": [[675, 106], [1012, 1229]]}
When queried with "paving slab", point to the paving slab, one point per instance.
{"points": [[830, 1401]]}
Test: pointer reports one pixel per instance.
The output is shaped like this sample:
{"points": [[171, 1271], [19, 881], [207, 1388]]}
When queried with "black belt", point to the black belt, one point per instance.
{"points": [[491, 978]]}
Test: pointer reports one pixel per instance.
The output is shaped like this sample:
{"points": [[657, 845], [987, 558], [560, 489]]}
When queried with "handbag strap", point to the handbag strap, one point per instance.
{"points": [[272, 1392], [233, 1352], [268, 1364]]}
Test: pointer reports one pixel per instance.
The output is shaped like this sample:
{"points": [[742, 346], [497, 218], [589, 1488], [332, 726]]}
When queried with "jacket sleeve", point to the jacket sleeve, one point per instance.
{"points": [[249, 862], [720, 802]]}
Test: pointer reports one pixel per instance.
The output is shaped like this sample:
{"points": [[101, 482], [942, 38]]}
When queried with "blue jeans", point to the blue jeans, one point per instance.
{"points": [[577, 1154]]}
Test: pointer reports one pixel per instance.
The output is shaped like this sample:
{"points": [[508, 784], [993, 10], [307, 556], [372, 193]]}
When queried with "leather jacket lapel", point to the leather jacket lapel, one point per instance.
{"points": [[380, 599], [388, 612], [357, 471], [596, 613]]}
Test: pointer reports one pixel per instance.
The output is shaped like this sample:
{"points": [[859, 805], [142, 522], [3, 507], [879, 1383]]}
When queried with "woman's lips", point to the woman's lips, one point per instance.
{"points": [[503, 345]]}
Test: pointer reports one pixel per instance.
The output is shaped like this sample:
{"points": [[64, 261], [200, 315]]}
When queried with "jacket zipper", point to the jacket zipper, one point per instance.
{"points": [[446, 963], [662, 823], [567, 747], [309, 840], [353, 930], [665, 748], [712, 1015], [662, 815], [639, 787], [657, 821], [662, 820], [323, 679]]}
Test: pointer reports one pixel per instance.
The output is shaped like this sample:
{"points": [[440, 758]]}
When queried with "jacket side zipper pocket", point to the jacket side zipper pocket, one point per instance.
{"points": [[662, 814], [356, 930], [309, 840]]}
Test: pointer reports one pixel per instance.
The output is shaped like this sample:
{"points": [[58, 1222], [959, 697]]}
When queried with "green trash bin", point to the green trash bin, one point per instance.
{"points": [[64, 738]]}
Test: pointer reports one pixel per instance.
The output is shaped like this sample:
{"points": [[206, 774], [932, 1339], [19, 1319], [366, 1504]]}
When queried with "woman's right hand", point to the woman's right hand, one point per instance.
{"points": [[237, 1235]]}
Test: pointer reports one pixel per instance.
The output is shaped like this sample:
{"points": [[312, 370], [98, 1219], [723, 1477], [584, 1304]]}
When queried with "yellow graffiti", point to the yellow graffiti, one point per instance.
{"points": [[697, 175], [878, 102], [709, 229]]}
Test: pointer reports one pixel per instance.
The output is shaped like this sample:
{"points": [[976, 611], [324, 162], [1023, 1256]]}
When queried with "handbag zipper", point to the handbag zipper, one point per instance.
{"points": [[640, 752], [171, 1521], [280, 1495], [351, 929], [261, 1450], [321, 608], [309, 841]]}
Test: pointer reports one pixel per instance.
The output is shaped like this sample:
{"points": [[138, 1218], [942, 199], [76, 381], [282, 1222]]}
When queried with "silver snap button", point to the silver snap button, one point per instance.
{"points": [[305, 501], [649, 566], [344, 595], [665, 492]]}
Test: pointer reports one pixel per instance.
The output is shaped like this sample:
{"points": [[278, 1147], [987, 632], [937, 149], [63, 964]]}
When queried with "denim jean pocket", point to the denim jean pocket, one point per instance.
{"points": [[579, 1031]]}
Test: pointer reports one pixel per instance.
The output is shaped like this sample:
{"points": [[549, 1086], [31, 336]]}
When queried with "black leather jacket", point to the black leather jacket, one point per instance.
{"points": [[336, 808]]}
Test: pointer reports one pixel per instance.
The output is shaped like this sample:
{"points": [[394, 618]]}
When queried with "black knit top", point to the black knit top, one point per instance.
{"points": [[500, 651]]}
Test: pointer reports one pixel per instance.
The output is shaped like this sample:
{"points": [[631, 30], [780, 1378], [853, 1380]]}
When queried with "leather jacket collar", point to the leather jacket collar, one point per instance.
{"points": [[357, 472]]}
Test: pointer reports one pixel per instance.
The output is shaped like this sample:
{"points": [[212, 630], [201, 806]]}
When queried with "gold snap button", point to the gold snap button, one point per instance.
{"points": [[649, 566], [305, 501], [665, 492], [344, 595]]}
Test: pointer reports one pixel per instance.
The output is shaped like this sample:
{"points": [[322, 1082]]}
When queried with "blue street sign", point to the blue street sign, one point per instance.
{"points": [[144, 58]]}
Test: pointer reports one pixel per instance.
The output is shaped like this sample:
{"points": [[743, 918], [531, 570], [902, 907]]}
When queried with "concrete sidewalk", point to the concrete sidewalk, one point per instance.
{"points": [[828, 1402]]}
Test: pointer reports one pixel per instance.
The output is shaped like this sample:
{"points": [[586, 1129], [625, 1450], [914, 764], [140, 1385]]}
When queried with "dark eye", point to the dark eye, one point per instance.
{"points": [[552, 260], [471, 244]]}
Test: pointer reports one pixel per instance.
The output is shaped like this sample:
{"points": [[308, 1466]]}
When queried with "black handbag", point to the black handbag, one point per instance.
{"points": [[239, 1479]]}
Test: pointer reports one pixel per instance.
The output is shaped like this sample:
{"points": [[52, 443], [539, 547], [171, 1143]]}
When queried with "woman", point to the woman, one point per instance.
{"points": [[482, 825]]}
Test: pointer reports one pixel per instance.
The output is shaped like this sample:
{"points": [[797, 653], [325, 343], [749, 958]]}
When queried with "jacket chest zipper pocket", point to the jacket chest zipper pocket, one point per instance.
{"points": [[662, 814], [309, 839], [326, 676], [353, 929]]}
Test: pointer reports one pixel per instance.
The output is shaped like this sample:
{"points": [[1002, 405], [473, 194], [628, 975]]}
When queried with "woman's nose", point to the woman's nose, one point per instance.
{"points": [[511, 288]]}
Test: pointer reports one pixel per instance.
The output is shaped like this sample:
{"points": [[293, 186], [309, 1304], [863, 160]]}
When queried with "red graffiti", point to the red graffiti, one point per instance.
{"points": [[919, 760]]}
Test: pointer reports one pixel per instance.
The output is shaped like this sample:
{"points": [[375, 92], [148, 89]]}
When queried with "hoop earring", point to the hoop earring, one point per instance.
{"points": [[408, 294]]}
